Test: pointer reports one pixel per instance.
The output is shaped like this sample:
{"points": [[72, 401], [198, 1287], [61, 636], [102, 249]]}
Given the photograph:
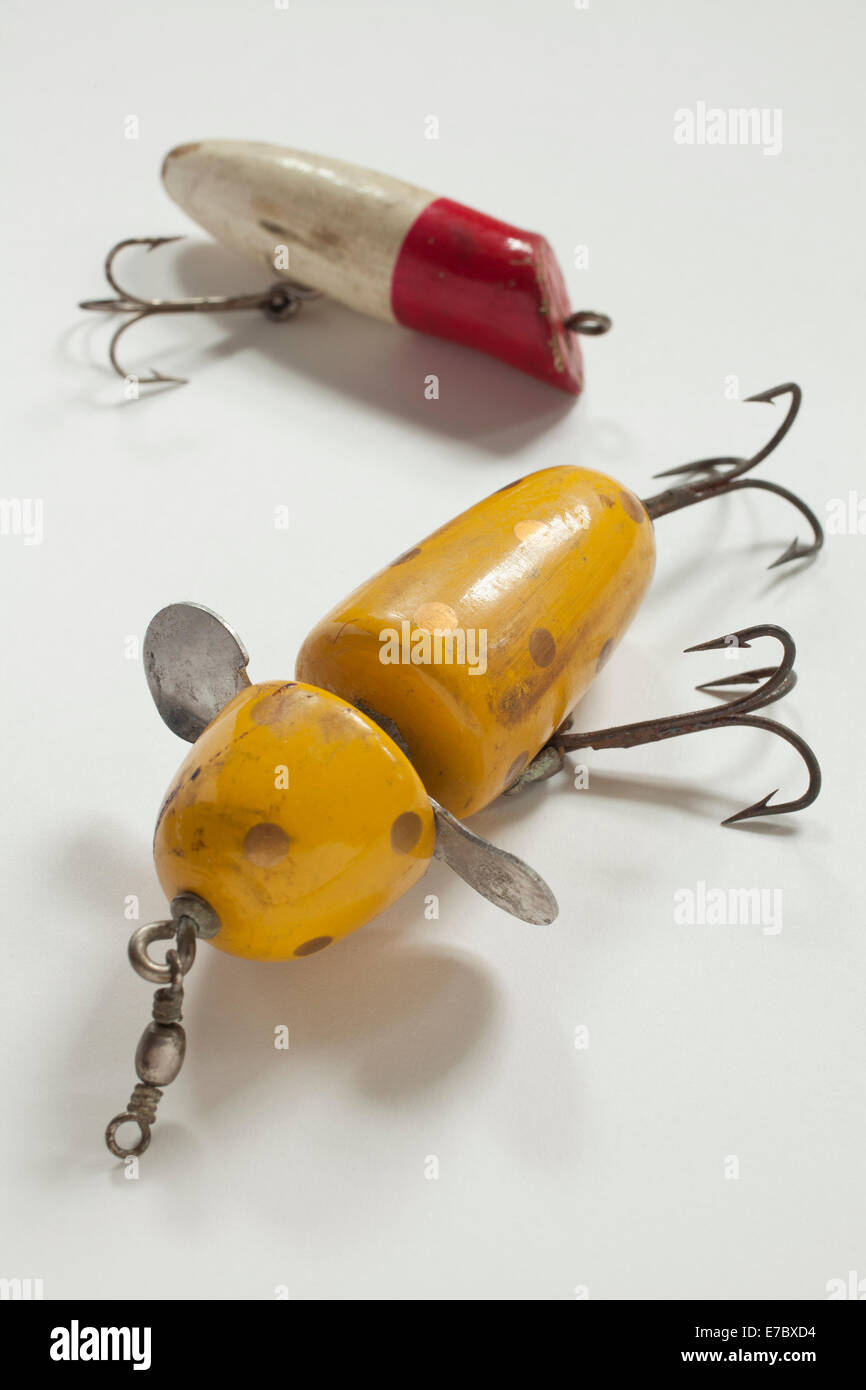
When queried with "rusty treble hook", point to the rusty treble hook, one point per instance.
{"points": [[717, 476], [777, 682], [278, 303]]}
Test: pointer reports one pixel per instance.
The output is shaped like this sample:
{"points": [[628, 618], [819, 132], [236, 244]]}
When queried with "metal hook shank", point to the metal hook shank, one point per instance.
{"points": [[777, 681]]}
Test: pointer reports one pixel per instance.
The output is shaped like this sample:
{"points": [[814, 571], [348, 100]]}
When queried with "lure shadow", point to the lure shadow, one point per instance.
{"points": [[655, 791], [389, 1014], [382, 365], [680, 796], [385, 1011], [735, 532]]}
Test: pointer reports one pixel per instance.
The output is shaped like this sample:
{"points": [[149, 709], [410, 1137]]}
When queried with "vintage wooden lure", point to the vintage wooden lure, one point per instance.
{"points": [[547, 574], [306, 807], [376, 244]]}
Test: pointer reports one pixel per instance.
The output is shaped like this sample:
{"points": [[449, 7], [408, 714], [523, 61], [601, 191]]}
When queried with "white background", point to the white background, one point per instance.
{"points": [[604, 1167]]}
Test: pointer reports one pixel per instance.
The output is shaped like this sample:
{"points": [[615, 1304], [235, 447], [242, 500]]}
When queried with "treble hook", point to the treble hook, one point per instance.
{"points": [[777, 682], [718, 476], [279, 303]]}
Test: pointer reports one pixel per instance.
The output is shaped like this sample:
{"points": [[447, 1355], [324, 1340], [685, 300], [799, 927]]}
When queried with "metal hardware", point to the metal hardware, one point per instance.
{"points": [[162, 1046], [278, 303], [194, 664], [777, 682], [718, 476], [502, 878]]}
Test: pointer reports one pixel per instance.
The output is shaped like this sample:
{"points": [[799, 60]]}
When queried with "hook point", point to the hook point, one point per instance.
{"points": [[740, 641], [758, 808], [772, 394], [152, 242], [795, 551]]}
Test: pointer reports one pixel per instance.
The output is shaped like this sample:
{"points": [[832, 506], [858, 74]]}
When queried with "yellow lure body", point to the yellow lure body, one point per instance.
{"points": [[550, 570]]}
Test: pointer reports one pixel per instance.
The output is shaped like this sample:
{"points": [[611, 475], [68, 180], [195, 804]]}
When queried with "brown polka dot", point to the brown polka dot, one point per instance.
{"points": [[407, 555], [274, 708], [406, 832], [310, 948], [435, 617], [604, 654], [631, 506], [605, 500], [266, 844], [525, 530], [516, 768], [508, 486], [542, 646]]}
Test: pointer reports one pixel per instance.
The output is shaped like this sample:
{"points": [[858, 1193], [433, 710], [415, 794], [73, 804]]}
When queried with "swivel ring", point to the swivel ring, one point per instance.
{"points": [[160, 972]]}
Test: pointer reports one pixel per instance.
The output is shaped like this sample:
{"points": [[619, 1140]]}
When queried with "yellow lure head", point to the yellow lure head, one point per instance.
{"points": [[296, 818]]}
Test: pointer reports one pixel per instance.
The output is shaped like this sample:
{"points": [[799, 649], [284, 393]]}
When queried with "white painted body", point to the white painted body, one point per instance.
{"points": [[343, 226]]}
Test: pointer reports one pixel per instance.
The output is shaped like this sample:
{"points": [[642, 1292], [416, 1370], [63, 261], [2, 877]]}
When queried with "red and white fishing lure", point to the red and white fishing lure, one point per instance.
{"points": [[378, 245]]}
